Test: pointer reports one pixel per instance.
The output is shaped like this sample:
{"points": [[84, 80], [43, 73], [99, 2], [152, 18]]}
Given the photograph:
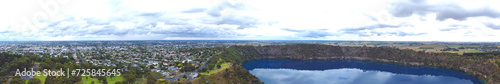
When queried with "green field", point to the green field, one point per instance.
{"points": [[41, 78], [110, 81], [89, 81], [461, 52], [474, 51], [223, 66], [141, 81], [457, 46]]}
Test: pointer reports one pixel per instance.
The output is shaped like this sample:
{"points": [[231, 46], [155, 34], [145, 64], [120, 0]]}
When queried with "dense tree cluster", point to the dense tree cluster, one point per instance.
{"points": [[131, 75], [9, 63], [188, 67], [34, 81], [17, 80], [152, 77], [449, 49]]}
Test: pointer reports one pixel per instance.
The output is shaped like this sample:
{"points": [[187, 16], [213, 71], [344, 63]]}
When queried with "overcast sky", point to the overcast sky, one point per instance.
{"points": [[357, 20]]}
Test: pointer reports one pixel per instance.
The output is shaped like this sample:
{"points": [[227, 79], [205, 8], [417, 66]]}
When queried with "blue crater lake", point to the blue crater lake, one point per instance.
{"points": [[351, 72]]}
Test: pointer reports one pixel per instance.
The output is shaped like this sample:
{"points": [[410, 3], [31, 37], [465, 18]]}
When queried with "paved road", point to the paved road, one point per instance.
{"points": [[196, 70]]}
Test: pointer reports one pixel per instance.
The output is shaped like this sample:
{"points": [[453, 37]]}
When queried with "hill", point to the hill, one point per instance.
{"points": [[235, 74]]}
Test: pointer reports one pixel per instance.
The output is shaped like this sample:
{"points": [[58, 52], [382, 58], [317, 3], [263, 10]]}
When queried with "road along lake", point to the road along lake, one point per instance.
{"points": [[272, 71]]}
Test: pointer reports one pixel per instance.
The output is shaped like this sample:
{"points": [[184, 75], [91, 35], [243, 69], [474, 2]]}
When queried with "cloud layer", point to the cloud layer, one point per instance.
{"points": [[443, 10], [405, 20]]}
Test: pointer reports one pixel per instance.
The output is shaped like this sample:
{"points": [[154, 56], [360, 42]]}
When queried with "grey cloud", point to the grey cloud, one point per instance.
{"points": [[458, 25], [151, 14], [194, 10], [195, 31], [400, 33], [396, 33], [217, 9], [317, 33], [371, 27], [370, 16], [492, 26], [1, 32], [93, 21], [153, 25], [179, 26], [443, 11], [6, 31], [147, 23], [82, 29], [455, 27], [360, 30], [242, 21], [292, 30], [106, 31], [448, 29]]}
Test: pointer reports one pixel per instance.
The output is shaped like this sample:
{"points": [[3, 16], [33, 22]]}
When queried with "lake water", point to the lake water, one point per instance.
{"points": [[352, 72]]}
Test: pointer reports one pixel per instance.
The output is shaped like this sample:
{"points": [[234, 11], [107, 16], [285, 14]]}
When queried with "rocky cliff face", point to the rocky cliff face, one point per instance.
{"points": [[476, 66]]}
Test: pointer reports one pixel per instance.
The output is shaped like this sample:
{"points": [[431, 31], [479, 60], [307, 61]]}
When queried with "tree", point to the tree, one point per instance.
{"points": [[68, 81], [125, 82], [188, 67], [104, 81], [58, 80], [45, 65], [17, 80], [130, 77], [75, 79], [151, 66], [161, 81], [179, 65], [50, 80], [184, 76], [34, 81], [152, 77], [204, 70], [101, 78]]}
